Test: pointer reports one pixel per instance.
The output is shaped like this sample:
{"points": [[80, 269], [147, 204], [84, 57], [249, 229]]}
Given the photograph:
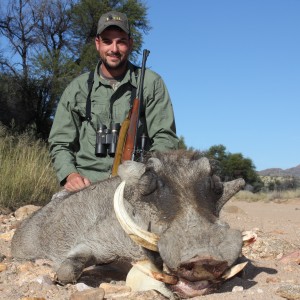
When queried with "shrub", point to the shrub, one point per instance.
{"points": [[26, 172]]}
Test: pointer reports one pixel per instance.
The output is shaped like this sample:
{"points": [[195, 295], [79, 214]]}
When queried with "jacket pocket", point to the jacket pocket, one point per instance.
{"points": [[120, 110]]}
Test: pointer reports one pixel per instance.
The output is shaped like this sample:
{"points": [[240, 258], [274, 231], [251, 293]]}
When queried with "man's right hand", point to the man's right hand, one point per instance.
{"points": [[76, 182]]}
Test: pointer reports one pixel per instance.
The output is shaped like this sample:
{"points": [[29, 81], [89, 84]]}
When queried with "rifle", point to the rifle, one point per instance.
{"points": [[127, 141]]}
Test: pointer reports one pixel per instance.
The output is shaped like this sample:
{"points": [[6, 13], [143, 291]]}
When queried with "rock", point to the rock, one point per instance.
{"points": [[7, 236], [2, 257], [289, 291], [272, 280], [91, 294], [30, 272], [44, 280], [268, 247], [291, 257], [24, 211], [3, 267], [82, 287], [115, 290], [26, 266], [43, 262], [237, 289]]}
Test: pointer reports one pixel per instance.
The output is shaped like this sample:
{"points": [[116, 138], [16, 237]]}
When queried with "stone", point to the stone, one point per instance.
{"points": [[293, 257], [2, 257], [82, 287], [3, 267], [91, 294], [237, 289], [7, 236], [116, 290], [26, 266], [44, 279], [289, 291], [24, 211]]}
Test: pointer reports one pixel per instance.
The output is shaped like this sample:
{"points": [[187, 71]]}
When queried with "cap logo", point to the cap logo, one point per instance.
{"points": [[109, 18]]}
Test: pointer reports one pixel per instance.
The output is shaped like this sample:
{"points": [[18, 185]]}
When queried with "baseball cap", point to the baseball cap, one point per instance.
{"points": [[113, 18]]}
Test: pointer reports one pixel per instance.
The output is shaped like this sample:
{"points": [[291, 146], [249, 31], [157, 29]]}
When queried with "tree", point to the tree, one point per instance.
{"points": [[54, 42], [217, 152], [230, 166], [53, 61], [17, 26], [32, 29], [182, 144]]}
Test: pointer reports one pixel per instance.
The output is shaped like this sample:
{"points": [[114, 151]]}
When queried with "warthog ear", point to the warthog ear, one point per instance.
{"points": [[202, 165], [154, 163], [131, 171]]}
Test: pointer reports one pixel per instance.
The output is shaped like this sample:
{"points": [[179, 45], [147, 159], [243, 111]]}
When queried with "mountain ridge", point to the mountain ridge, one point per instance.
{"points": [[294, 172]]}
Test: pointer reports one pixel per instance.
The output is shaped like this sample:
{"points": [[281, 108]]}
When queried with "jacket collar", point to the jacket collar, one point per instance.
{"points": [[131, 75]]}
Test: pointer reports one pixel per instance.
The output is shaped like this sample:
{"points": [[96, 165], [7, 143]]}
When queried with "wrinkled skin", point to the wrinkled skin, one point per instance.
{"points": [[175, 195]]}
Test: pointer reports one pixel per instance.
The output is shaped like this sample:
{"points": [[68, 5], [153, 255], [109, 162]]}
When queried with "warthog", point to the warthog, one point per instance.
{"points": [[166, 210]]}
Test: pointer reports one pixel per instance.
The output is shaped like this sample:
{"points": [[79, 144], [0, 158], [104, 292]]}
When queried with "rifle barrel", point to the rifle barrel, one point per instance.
{"points": [[140, 97]]}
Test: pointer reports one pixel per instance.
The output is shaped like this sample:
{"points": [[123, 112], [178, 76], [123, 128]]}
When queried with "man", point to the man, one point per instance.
{"points": [[73, 135]]}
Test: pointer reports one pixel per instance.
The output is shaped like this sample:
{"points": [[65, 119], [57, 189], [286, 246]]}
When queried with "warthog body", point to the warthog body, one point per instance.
{"points": [[174, 195]]}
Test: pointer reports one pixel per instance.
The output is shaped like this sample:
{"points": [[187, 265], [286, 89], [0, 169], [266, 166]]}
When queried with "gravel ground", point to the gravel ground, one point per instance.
{"points": [[272, 272]]}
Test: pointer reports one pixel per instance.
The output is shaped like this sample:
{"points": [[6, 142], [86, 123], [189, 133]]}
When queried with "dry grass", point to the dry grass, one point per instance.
{"points": [[27, 176], [267, 196], [26, 173]]}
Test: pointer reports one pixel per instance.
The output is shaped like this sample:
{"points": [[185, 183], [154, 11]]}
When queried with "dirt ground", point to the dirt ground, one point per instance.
{"points": [[273, 269], [272, 272]]}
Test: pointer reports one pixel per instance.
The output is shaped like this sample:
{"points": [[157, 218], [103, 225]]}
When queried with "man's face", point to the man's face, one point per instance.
{"points": [[114, 47]]}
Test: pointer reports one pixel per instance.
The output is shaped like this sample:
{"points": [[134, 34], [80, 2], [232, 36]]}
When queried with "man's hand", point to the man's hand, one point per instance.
{"points": [[76, 182]]}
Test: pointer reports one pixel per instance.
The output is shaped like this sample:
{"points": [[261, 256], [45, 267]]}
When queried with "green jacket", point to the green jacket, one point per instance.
{"points": [[72, 138]]}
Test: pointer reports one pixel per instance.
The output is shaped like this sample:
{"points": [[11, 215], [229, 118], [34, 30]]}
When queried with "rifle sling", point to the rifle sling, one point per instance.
{"points": [[88, 106]]}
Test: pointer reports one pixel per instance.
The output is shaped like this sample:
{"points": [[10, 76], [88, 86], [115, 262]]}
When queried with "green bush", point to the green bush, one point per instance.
{"points": [[26, 172]]}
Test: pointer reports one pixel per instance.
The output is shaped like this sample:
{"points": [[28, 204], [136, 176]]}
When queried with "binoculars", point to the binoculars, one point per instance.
{"points": [[106, 140]]}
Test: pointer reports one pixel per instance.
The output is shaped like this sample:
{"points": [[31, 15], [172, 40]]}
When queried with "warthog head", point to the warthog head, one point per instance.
{"points": [[180, 200]]}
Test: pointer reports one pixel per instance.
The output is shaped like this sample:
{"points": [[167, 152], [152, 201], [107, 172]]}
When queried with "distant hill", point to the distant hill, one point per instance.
{"points": [[295, 172]]}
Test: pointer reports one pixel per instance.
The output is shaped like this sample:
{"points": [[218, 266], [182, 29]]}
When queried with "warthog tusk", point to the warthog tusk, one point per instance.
{"points": [[234, 270], [148, 268], [141, 279], [142, 237]]}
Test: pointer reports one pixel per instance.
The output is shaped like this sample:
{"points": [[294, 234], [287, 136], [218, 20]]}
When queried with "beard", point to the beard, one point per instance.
{"points": [[114, 66]]}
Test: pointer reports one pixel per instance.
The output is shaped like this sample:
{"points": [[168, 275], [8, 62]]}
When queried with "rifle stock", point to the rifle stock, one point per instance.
{"points": [[129, 147], [127, 140], [120, 145]]}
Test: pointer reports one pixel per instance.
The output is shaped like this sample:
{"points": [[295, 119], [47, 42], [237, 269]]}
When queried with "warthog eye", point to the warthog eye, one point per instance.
{"points": [[216, 184]]}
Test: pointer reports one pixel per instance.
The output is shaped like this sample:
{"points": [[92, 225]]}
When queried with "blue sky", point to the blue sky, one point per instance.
{"points": [[232, 68]]}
